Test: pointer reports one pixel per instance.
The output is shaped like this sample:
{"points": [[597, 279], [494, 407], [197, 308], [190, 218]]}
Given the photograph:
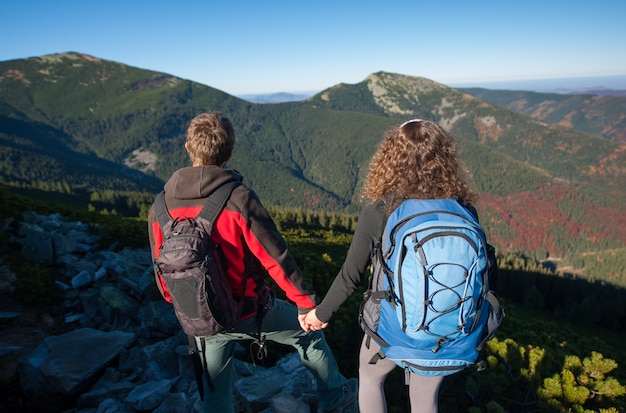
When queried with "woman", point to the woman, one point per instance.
{"points": [[416, 160]]}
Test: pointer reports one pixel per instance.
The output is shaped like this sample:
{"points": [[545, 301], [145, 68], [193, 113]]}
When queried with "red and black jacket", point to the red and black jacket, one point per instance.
{"points": [[246, 233]]}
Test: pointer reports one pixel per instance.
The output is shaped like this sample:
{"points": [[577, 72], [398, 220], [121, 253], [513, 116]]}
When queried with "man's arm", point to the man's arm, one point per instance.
{"points": [[268, 245]]}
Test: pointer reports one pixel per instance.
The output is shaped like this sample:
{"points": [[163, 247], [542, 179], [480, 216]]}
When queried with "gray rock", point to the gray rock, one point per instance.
{"points": [[37, 247], [9, 349], [286, 403], [176, 403], [82, 280], [148, 396], [112, 406], [159, 318], [64, 366], [102, 392], [100, 274], [116, 304], [9, 315]]}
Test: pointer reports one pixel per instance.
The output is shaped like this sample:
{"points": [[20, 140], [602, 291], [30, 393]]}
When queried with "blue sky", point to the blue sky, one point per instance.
{"points": [[246, 47]]}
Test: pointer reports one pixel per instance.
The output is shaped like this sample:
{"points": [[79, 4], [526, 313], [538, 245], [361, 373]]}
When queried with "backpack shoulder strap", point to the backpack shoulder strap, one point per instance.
{"points": [[470, 208], [160, 209], [216, 201]]}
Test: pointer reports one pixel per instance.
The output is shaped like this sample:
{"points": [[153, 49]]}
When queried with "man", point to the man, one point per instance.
{"points": [[253, 247]]}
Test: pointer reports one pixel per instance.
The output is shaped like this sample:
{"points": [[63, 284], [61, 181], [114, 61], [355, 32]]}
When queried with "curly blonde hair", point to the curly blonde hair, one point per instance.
{"points": [[210, 139], [417, 159]]}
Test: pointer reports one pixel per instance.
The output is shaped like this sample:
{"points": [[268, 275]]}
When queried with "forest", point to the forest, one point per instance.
{"points": [[71, 125], [559, 348]]}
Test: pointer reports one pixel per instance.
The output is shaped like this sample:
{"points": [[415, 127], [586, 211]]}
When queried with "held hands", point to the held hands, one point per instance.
{"points": [[309, 321]]}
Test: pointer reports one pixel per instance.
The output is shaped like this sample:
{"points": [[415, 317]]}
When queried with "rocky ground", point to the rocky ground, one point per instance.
{"points": [[110, 345], [23, 329]]}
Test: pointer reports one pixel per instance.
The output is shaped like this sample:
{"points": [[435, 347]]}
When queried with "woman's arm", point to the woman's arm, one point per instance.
{"points": [[368, 231]]}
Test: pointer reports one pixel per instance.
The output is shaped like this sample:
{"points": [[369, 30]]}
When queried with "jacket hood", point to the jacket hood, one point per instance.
{"points": [[196, 182]]}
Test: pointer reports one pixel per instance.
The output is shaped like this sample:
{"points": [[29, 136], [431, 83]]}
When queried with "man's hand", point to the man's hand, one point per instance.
{"points": [[301, 319], [309, 321]]}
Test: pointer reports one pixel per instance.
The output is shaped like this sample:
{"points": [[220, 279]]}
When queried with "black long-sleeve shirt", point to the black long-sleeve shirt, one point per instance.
{"points": [[368, 232]]}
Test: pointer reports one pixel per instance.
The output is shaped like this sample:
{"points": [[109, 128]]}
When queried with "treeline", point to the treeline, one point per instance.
{"points": [[608, 265], [135, 204], [602, 261], [536, 285], [287, 217]]}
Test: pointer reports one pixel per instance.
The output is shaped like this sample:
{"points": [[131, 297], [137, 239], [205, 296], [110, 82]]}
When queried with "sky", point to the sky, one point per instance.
{"points": [[270, 46]]}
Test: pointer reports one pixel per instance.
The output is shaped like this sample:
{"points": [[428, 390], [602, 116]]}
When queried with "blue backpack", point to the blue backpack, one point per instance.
{"points": [[429, 305]]}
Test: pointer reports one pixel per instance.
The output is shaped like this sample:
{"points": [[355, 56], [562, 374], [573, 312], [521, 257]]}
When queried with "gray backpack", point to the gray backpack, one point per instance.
{"points": [[193, 268]]}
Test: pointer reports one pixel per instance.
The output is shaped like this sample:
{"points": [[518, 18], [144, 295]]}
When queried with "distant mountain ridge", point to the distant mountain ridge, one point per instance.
{"points": [[545, 188], [570, 85], [598, 91], [595, 113], [279, 97]]}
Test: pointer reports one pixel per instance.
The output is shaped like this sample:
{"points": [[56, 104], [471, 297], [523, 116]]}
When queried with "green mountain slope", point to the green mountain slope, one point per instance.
{"points": [[36, 154], [546, 189], [562, 152], [115, 112]]}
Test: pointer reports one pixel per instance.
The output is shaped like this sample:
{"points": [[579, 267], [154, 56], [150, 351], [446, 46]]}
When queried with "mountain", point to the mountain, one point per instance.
{"points": [[597, 113], [546, 189], [39, 154]]}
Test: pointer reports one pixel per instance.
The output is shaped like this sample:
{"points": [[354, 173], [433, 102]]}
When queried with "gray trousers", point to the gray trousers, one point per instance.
{"points": [[423, 390], [279, 325]]}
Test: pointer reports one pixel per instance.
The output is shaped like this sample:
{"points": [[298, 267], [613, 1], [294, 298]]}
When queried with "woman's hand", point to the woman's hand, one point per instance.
{"points": [[309, 321]]}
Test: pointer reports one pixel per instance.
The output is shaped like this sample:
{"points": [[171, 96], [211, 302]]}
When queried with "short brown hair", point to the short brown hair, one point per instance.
{"points": [[416, 160], [210, 139]]}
